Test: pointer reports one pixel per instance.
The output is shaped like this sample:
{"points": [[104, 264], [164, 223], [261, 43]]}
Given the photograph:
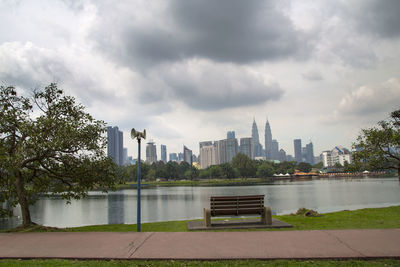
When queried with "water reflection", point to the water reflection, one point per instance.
{"points": [[180, 203], [116, 208]]}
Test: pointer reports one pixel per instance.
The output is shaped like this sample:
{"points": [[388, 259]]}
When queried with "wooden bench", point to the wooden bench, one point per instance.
{"points": [[237, 205]]}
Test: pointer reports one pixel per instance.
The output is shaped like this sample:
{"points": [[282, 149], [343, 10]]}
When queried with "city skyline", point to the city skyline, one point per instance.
{"points": [[190, 70]]}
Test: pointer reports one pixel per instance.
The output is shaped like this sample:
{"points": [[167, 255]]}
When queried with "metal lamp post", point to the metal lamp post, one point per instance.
{"points": [[138, 136]]}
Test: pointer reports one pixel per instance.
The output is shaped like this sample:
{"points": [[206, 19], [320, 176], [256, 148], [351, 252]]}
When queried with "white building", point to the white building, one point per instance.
{"points": [[208, 156], [337, 155]]}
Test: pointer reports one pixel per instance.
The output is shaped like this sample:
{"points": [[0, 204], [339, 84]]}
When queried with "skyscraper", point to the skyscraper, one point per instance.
{"points": [[256, 141], [151, 152], [164, 153], [187, 155], [282, 155], [297, 150], [246, 146], [231, 148], [268, 141], [125, 156], [310, 153], [115, 144], [220, 147], [207, 156], [230, 135], [275, 150]]}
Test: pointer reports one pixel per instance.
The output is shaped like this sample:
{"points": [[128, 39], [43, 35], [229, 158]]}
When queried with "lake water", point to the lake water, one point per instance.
{"points": [[186, 202]]}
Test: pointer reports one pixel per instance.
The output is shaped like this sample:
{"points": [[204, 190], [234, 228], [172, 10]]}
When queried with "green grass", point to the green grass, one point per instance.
{"points": [[221, 263], [375, 218]]}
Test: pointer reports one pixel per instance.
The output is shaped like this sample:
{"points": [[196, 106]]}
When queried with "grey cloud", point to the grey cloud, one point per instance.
{"points": [[28, 66], [377, 17], [312, 76], [209, 86], [224, 31]]}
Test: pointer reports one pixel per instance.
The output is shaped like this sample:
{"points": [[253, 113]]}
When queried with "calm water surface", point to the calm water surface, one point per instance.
{"points": [[181, 203]]}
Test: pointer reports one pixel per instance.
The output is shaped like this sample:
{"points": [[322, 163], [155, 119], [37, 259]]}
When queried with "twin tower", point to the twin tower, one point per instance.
{"points": [[271, 147]]}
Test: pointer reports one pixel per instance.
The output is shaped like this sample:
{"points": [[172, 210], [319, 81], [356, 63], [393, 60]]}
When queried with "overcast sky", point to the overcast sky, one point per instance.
{"points": [[189, 71]]}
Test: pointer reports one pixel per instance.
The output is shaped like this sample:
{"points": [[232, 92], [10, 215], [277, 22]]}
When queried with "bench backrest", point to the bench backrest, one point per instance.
{"points": [[237, 205]]}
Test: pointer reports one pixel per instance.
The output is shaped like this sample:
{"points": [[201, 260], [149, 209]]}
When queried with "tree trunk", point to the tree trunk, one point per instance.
{"points": [[398, 173], [23, 201]]}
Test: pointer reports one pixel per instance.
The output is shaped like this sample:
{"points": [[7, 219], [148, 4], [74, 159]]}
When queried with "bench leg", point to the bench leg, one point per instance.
{"points": [[207, 217], [266, 217]]}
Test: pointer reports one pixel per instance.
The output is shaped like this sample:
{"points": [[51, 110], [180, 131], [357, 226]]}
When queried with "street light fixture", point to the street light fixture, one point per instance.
{"points": [[138, 136]]}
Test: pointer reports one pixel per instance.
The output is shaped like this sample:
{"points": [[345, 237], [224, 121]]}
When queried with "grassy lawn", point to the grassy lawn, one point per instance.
{"points": [[375, 218], [225, 263]]}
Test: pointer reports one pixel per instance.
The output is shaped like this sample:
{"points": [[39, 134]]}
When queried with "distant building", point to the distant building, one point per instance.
{"points": [[257, 148], [164, 153], [297, 150], [275, 150], [282, 155], [180, 156], [173, 157], [246, 146], [337, 155], [151, 153], [309, 153], [208, 156], [230, 135], [125, 156], [187, 155], [290, 158], [220, 147], [115, 144], [196, 159], [231, 148], [268, 141]]}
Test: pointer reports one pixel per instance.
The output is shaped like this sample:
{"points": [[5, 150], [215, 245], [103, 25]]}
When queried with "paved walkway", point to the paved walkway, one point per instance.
{"points": [[204, 245]]}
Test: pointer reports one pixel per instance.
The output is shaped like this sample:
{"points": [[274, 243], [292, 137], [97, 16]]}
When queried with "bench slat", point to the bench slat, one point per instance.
{"points": [[223, 207], [230, 198], [236, 212], [248, 202]]}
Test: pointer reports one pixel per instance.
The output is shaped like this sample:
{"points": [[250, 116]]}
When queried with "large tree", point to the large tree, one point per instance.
{"points": [[49, 145], [244, 165], [379, 146]]}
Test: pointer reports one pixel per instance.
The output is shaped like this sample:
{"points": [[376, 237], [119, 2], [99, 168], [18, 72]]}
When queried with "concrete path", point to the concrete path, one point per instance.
{"points": [[204, 245]]}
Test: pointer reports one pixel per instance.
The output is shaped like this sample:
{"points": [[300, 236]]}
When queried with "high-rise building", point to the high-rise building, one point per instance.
{"points": [[275, 150], [309, 155], [125, 156], [230, 135], [180, 156], [282, 155], [268, 141], [208, 156], [256, 141], [173, 157], [164, 153], [151, 152], [246, 146], [297, 150], [220, 147], [231, 148], [115, 144], [187, 155]]}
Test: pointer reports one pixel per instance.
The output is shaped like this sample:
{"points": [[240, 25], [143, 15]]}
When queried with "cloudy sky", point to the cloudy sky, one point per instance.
{"points": [[189, 71]]}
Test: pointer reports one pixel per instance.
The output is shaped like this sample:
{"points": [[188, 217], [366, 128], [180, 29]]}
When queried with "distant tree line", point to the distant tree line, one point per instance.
{"points": [[240, 167]]}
